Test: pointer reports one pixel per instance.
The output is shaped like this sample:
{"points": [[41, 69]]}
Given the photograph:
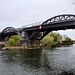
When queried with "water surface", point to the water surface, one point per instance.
{"points": [[56, 61]]}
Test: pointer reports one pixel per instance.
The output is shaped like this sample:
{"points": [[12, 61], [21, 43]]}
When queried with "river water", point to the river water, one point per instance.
{"points": [[56, 61]]}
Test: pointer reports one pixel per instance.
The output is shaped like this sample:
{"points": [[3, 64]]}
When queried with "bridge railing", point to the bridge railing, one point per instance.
{"points": [[59, 18], [32, 25]]}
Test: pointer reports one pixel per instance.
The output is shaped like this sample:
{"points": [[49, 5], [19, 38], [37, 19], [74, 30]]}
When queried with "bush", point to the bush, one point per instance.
{"points": [[47, 41], [12, 42]]}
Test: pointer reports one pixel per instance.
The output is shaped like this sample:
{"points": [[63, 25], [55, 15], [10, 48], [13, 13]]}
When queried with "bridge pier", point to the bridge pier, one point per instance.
{"points": [[26, 42], [30, 43], [25, 39]]}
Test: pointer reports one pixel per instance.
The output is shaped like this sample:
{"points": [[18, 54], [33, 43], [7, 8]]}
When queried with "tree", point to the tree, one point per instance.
{"points": [[15, 38], [52, 39], [12, 42], [68, 41], [65, 37], [57, 37], [47, 40]]}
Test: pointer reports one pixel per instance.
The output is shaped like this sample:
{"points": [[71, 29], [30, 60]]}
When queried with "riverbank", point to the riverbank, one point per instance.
{"points": [[18, 48]]}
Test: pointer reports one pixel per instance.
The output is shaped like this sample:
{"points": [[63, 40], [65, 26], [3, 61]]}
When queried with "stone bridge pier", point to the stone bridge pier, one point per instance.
{"points": [[27, 42]]}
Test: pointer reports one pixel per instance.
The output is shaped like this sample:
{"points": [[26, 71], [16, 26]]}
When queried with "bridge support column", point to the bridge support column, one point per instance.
{"points": [[27, 42], [25, 35], [25, 39]]}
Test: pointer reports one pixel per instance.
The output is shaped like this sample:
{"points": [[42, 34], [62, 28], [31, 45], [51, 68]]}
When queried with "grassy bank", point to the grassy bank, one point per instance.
{"points": [[17, 48]]}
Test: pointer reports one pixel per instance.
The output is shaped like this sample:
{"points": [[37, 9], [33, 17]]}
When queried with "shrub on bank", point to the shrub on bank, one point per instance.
{"points": [[14, 40], [47, 41]]}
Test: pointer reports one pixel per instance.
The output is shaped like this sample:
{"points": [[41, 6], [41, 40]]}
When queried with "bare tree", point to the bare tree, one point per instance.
{"points": [[65, 37]]}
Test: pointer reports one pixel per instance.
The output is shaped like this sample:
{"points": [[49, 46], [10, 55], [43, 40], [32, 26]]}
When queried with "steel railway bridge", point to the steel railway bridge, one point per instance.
{"points": [[36, 32]]}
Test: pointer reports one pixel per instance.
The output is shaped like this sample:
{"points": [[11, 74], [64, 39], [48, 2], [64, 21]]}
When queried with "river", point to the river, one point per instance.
{"points": [[55, 61]]}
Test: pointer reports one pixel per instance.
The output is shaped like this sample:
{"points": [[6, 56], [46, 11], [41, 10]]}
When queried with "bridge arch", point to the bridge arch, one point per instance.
{"points": [[59, 18], [9, 30]]}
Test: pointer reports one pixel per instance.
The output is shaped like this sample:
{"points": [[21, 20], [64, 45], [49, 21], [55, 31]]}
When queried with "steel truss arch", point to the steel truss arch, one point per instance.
{"points": [[59, 18], [10, 30]]}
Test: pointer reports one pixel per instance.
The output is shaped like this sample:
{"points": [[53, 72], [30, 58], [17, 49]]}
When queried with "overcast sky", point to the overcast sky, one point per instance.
{"points": [[17, 13]]}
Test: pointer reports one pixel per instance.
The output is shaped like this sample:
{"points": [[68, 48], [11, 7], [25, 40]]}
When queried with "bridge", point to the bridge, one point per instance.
{"points": [[32, 34]]}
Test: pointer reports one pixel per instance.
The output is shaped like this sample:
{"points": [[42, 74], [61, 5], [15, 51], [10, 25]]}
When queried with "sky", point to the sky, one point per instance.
{"points": [[16, 13]]}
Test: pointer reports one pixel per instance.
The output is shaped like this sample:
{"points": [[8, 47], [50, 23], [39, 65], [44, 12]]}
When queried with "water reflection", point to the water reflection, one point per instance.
{"points": [[56, 61]]}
